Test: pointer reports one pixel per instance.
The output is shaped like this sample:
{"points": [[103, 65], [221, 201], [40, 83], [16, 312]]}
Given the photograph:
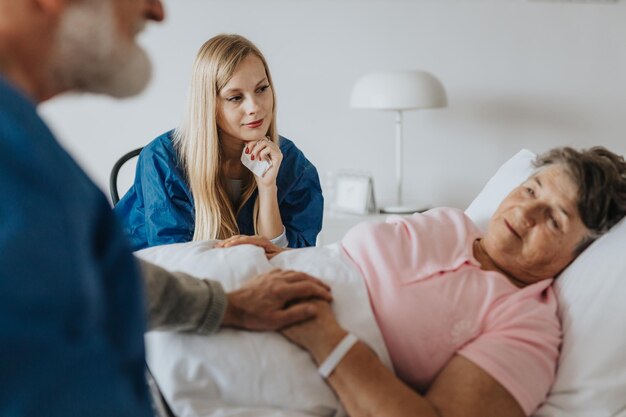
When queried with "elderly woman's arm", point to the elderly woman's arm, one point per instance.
{"points": [[367, 388]]}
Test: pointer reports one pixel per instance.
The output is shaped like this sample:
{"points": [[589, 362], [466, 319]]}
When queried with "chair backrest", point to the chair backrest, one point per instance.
{"points": [[159, 405], [115, 197]]}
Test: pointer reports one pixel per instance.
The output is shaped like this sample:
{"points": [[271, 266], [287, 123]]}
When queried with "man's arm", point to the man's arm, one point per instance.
{"points": [[270, 301], [179, 302]]}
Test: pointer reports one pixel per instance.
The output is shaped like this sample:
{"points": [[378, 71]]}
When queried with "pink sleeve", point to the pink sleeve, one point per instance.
{"points": [[519, 347], [407, 248]]}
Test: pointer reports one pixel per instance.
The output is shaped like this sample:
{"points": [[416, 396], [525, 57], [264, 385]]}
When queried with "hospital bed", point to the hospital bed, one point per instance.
{"points": [[198, 379]]}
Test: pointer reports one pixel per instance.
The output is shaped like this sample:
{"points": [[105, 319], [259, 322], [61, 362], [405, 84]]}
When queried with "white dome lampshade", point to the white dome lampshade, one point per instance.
{"points": [[399, 91]]}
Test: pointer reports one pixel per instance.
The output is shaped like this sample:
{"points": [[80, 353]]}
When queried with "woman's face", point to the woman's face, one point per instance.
{"points": [[534, 232], [245, 105]]}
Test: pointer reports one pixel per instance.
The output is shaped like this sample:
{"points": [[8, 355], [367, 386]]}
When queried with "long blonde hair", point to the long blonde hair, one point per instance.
{"points": [[198, 143]]}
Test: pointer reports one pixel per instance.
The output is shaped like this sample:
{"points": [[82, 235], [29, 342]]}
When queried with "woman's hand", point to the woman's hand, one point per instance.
{"points": [[266, 150], [319, 335], [268, 223], [271, 250], [366, 387]]}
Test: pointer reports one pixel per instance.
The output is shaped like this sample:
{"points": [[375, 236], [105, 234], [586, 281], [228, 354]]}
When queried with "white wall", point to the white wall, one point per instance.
{"points": [[518, 74]]}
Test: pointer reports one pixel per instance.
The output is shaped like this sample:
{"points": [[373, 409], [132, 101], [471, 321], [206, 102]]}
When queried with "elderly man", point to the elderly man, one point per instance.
{"points": [[71, 307]]}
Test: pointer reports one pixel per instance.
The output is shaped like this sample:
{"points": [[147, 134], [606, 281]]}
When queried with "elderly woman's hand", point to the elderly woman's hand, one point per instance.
{"points": [[271, 250], [319, 335]]}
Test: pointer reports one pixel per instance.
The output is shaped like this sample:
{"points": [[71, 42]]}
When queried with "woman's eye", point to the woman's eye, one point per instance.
{"points": [[530, 191], [555, 224], [234, 99], [263, 88]]}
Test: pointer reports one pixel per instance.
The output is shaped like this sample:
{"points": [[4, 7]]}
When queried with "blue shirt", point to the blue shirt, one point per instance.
{"points": [[71, 306], [159, 209]]}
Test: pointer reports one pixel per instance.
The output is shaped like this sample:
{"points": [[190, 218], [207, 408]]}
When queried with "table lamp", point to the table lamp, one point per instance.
{"points": [[398, 91]]}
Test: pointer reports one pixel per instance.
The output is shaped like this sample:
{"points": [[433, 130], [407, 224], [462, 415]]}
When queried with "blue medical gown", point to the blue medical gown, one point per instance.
{"points": [[71, 307], [159, 209]]}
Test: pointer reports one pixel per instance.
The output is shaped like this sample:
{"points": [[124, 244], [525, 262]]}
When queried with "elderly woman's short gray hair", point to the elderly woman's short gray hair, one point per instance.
{"points": [[601, 178]]}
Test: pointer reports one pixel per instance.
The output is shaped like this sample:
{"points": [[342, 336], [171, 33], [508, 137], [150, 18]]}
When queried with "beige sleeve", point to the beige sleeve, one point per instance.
{"points": [[180, 302]]}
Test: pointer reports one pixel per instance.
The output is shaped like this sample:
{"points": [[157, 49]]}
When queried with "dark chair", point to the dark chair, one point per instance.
{"points": [[159, 405], [115, 197]]}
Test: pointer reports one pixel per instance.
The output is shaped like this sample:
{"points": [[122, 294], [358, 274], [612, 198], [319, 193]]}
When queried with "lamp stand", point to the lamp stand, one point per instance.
{"points": [[399, 207]]}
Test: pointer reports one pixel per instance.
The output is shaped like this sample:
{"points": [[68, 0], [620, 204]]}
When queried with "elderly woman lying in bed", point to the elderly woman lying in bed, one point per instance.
{"points": [[468, 320]]}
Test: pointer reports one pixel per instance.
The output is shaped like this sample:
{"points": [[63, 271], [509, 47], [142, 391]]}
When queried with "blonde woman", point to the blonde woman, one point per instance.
{"points": [[191, 183]]}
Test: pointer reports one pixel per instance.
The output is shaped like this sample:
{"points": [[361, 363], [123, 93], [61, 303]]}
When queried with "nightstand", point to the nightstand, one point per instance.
{"points": [[336, 225]]}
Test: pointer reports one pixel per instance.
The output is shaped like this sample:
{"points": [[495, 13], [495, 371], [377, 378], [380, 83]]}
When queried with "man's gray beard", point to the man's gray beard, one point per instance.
{"points": [[90, 56]]}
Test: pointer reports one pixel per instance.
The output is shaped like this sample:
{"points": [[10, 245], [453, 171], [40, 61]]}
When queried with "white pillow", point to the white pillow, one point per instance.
{"points": [[591, 375], [512, 173], [203, 376]]}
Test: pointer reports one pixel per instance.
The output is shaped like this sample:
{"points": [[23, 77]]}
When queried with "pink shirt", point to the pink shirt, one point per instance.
{"points": [[432, 301]]}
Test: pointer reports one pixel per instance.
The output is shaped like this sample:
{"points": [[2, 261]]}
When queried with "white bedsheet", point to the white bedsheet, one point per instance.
{"points": [[222, 374]]}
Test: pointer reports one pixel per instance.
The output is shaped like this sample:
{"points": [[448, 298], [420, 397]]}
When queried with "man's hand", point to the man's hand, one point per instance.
{"points": [[271, 250], [274, 300]]}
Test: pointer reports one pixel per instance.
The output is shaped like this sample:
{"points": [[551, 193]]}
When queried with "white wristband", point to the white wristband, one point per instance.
{"points": [[331, 362]]}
